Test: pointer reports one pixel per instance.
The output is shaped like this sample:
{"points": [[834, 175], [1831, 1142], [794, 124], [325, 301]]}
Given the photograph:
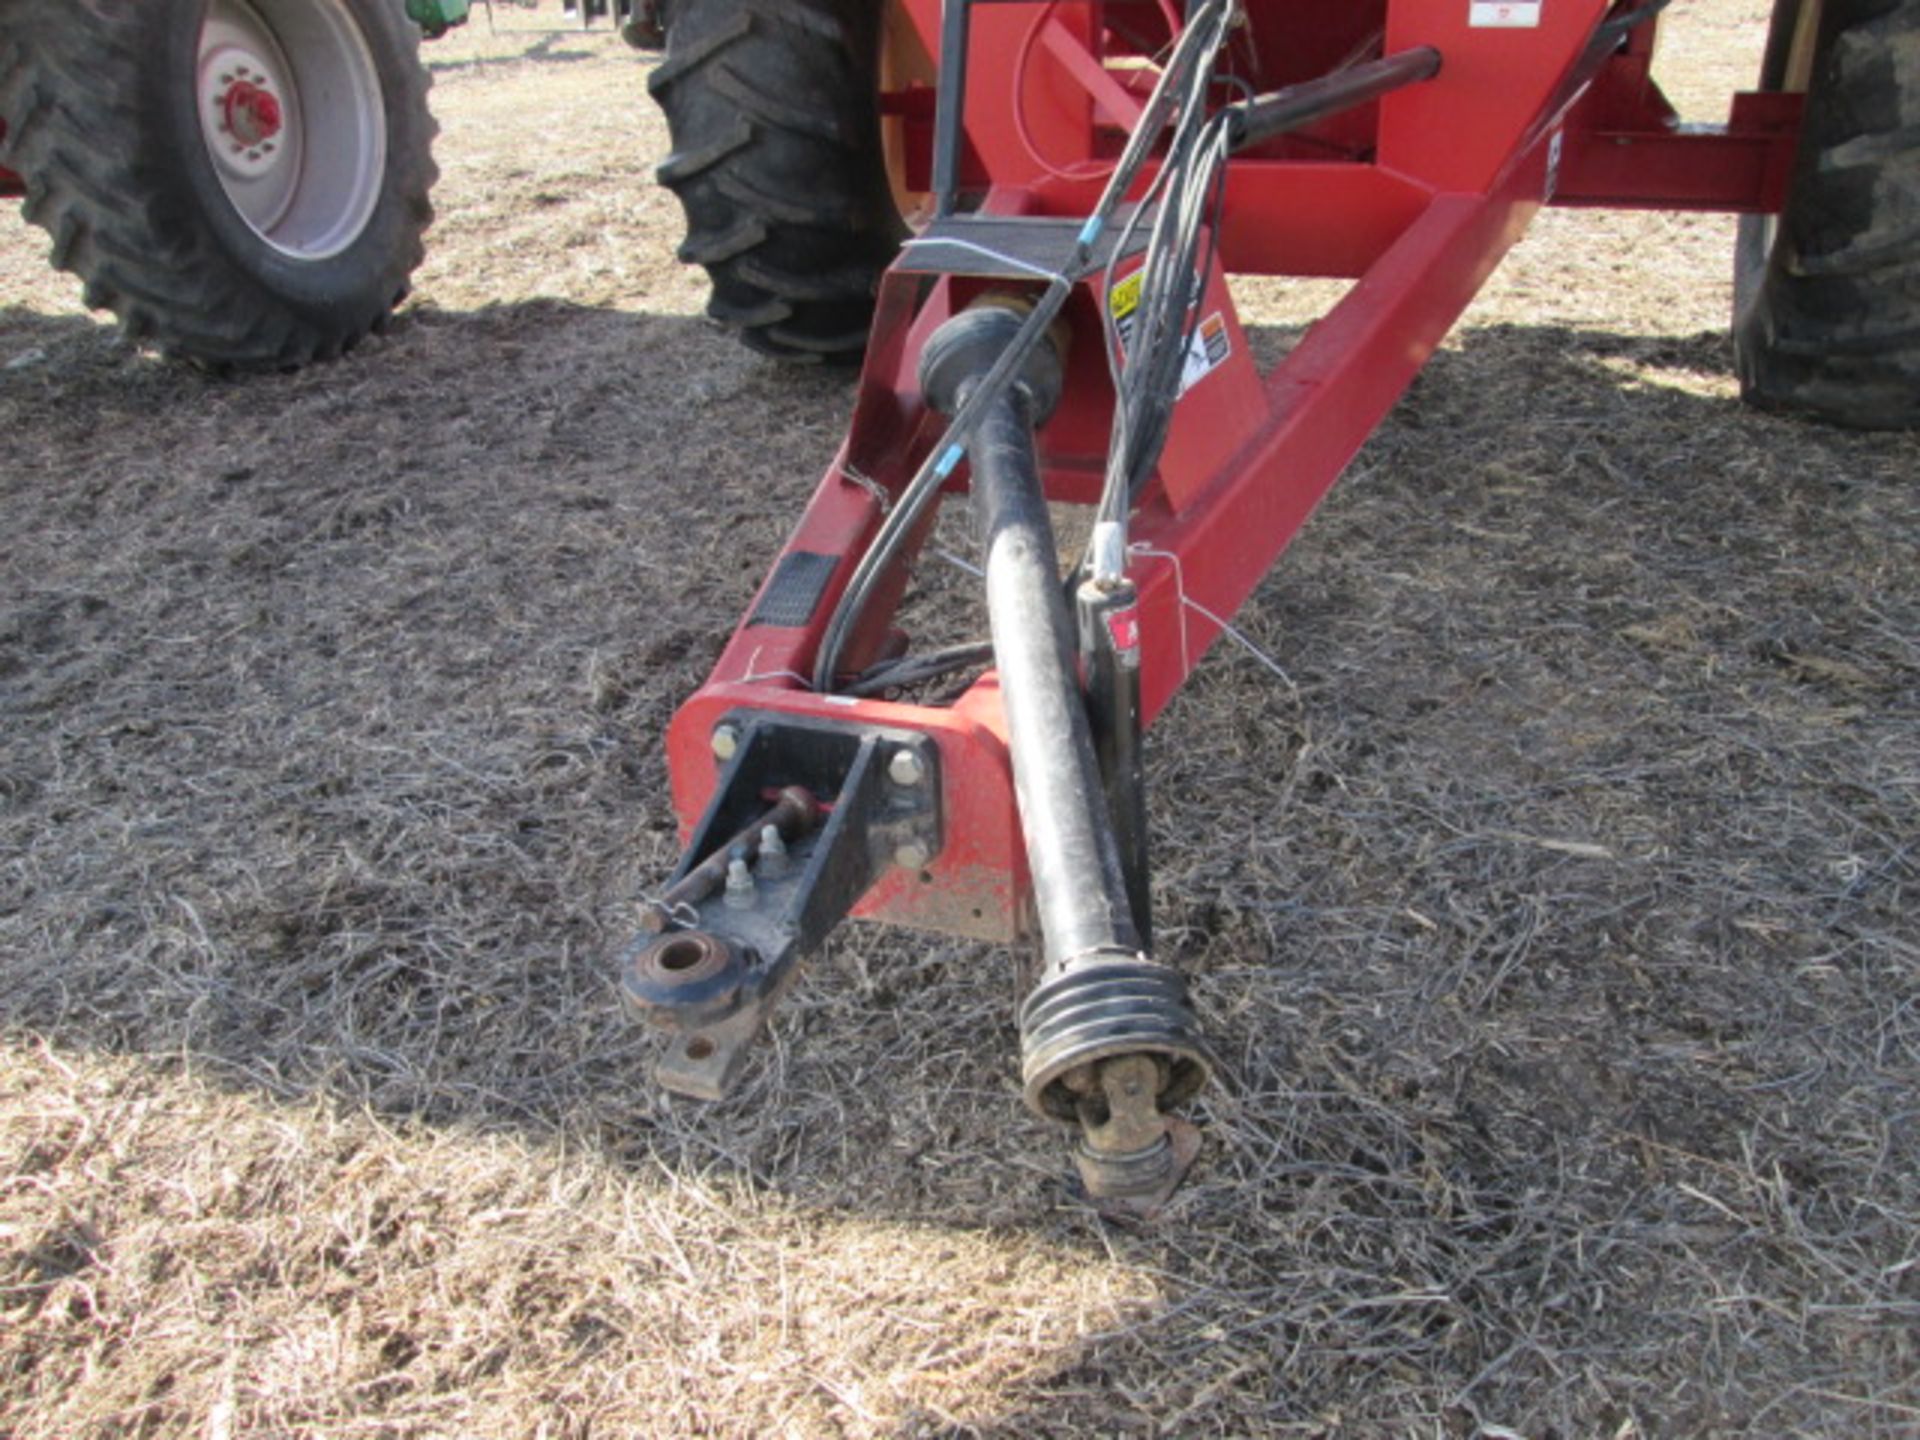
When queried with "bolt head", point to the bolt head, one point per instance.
{"points": [[906, 768], [726, 742], [911, 856]]}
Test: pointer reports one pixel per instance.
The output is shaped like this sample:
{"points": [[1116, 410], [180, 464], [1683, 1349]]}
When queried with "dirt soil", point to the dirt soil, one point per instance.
{"points": [[1555, 913]]}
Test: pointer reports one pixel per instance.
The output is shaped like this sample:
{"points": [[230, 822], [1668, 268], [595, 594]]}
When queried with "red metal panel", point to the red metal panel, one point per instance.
{"points": [[1314, 217], [1288, 43], [1463, 163], [1458, 132]]}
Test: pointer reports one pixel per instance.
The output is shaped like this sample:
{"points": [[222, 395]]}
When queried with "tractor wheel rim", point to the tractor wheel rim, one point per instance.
{"points": [[294, 120]]}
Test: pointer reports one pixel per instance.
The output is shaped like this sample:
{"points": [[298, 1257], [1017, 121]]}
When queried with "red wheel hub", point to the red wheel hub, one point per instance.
{"points": [[252, 113]]}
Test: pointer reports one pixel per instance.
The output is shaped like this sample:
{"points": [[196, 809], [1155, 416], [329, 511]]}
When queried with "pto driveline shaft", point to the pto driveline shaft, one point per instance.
{"points": [[1079, 886]]}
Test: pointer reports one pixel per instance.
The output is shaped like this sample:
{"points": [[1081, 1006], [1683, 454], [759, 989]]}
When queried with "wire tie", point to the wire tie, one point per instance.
{"points": [[1012, 262], [882, 496], [680, 913], [1187, 602], [959, 564], [752, 674]]}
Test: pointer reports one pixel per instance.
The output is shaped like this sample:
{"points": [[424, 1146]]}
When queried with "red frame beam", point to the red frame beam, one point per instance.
{"points": [[1457, 170], [1742, 167]]}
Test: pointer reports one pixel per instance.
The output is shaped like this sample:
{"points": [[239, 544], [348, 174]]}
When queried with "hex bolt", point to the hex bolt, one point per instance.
{"points": [[739, 892], [911, 856], [773, 852], [726, 742], [906, 768]]}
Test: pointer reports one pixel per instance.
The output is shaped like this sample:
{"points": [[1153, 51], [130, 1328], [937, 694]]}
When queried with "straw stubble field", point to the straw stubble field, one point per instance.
{"points": [[1554, 913]]}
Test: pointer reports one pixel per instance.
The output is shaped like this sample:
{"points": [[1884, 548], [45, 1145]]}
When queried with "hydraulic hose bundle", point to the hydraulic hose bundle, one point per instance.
{"points": [[1178, 96], [1183, 200]]}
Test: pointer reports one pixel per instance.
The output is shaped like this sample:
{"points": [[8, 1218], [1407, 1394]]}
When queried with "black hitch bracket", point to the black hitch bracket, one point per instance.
{"points": [[806, 816]]}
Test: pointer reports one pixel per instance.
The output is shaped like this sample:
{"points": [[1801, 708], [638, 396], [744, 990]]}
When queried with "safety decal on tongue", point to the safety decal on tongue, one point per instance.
{"points": [[1211, 343], [1504, 14]]}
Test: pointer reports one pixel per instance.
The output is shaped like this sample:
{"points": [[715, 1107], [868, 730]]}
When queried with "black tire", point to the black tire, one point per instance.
{"points": [[1827, 299], [773, 108], [101, 100]]}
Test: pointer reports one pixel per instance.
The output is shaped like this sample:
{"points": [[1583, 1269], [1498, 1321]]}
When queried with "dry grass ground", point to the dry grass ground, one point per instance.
{"points": [[1557, 918]]}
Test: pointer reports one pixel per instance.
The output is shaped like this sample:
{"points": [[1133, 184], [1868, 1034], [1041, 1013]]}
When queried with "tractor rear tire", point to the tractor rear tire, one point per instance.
{"points": [[1827, 299], [220, 226], [773, 110]]}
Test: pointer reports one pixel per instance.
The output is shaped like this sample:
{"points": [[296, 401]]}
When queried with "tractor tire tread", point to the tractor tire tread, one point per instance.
{"points": [[1828, 323], [772, 109]]}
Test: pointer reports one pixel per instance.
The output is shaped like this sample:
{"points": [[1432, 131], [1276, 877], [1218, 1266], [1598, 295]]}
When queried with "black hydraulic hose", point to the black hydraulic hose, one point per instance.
{"points": [[1079, 886], [1297, 105]]}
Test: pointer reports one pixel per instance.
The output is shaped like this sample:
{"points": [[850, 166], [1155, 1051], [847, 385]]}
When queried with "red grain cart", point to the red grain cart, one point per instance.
{"points": [[1020, 217]]}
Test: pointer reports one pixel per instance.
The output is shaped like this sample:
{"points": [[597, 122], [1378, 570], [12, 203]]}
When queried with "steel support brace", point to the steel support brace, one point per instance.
{"points": [[1742, 167], [949, 139], [1108, 615]]}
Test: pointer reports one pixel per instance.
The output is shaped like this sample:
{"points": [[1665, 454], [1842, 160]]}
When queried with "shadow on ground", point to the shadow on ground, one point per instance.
{"points": [[1548, 913]]}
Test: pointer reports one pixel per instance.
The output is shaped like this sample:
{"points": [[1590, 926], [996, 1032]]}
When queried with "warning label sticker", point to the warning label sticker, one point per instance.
{"points": [[1210, 346], [1211, 342], [1122, 301], [1504, 14]]}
